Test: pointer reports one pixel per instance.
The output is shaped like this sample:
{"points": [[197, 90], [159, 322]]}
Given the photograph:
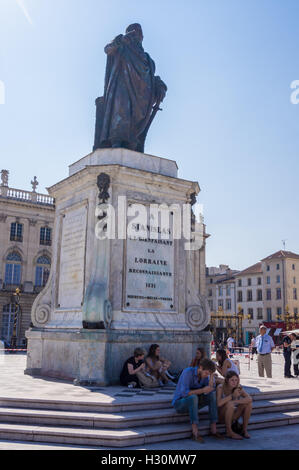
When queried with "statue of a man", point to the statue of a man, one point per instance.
{"points": [[132, 93]]}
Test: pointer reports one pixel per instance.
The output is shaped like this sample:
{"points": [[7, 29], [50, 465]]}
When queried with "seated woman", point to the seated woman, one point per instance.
{"points": [[131, 367], [233, 402], [158, 366], [225, 364], [200, 354]]}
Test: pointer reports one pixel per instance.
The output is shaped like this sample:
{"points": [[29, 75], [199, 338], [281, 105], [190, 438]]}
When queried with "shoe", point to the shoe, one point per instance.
{"points": [[132, 385], [169, 375], [197, 438], [289, 377], [170, 383]]}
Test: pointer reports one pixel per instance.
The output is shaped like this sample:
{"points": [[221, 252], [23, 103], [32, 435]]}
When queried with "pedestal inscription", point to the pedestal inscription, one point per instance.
{"points": [[72, 262], [149, 280]]}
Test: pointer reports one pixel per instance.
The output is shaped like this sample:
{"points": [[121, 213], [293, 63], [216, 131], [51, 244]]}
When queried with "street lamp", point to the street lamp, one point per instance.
{"points": [[17, 316]]}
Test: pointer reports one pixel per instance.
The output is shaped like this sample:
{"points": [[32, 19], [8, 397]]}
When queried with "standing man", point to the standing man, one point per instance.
{"points": [[230, 344], [287, 353], [264, 345], [195, 389]]}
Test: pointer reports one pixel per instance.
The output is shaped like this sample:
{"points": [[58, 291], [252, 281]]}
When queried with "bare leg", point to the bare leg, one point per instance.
{"points": [[246, 417], [229, 415]]}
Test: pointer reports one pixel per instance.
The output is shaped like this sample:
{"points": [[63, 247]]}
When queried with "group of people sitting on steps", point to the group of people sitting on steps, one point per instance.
{"points": [[198, 386]]}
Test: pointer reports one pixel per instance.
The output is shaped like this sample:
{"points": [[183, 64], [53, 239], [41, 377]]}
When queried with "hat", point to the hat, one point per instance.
{"points": [[263, 326]]}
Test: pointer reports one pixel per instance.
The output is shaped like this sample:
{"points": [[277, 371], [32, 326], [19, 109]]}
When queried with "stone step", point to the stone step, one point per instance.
{"points": [[117, 404], [125, 420], [128, 437]]}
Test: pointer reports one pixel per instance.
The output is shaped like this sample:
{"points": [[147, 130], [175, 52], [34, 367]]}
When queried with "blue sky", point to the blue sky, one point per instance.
{"points": [[227, 119]]}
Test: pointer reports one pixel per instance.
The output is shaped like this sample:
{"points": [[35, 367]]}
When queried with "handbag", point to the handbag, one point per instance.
{"points": [[237, 427]]}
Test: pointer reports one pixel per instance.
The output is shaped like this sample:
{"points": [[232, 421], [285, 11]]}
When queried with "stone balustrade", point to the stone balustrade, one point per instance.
{"points": [[27, 196]]}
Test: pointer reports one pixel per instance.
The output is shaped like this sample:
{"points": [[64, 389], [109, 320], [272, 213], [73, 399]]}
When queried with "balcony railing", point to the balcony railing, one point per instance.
{"points": [[27, 196]]}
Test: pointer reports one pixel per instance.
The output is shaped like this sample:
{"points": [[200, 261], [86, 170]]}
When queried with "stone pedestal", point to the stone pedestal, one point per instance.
{"points": [[106, 297]]}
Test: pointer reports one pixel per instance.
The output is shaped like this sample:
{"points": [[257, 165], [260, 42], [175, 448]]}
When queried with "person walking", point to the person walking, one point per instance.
{"points": [[295, 353], [287, 354], [230, 344], [253, 347], [264, 345]]}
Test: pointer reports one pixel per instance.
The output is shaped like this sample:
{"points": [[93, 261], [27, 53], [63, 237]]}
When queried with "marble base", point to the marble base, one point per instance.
{"points": [[97, 356]]}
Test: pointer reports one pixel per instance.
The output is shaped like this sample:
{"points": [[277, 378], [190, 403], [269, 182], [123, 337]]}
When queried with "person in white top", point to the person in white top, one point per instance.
{"points": [[230, 344], [253, 347]]}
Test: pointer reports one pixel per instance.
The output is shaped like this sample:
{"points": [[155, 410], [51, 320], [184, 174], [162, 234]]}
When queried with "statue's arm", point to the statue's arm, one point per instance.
{"points": [[113, 46]]}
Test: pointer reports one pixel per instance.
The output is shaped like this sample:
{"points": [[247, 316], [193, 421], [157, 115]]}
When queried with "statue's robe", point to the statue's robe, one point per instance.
{"points": [[129, 95]]}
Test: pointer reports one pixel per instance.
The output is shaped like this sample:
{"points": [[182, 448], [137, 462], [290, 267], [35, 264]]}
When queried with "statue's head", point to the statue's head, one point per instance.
{"points": [[138, 31]]}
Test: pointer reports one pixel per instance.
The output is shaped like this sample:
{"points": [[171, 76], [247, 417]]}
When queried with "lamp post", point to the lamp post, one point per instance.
{"points": [[17, 316], [240, 320]]}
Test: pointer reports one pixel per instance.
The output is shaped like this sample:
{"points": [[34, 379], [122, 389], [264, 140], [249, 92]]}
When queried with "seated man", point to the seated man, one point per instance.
{"points": [[131, 367], [195, 389]]}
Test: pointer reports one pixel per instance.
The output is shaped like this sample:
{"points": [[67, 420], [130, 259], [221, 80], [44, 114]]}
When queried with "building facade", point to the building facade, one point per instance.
{"points": [[249, 289], [266, 292], [281, 277], [26, 223]]}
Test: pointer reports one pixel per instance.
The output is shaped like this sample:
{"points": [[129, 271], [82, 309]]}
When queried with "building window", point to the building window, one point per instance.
{"points": [[249, 295], [278, 279], [42, 271], [278, 293], [45, 236], [268, 280], [249, 282], [16, 232], [295, 294], [211, 281], [220, 303], [13, 269], [259, 295], [228, 304], [293, 267], [210, 302], [268, 268], [228, 290], [220, 291], [259, 281], [296, 312], [268, 294], [294, 280], [279, 311], [269, 314], [278, 267], [250, 313], [259, 313], [240, 296], [240, 283], [7, 322], [210, 292]]}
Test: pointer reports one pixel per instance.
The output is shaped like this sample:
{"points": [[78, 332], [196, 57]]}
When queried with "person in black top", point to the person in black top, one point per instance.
{"points": [[287, 352], [132, 365]]}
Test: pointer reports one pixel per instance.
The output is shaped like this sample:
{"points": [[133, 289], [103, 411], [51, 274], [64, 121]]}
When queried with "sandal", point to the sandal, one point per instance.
{"points": [[197, 438]]}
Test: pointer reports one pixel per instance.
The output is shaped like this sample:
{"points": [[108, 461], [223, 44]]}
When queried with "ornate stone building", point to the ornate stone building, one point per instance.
{"points": [[26, 222]]}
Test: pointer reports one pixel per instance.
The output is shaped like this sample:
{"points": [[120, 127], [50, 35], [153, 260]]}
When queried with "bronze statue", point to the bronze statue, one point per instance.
{"points": [[132, 94]]}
